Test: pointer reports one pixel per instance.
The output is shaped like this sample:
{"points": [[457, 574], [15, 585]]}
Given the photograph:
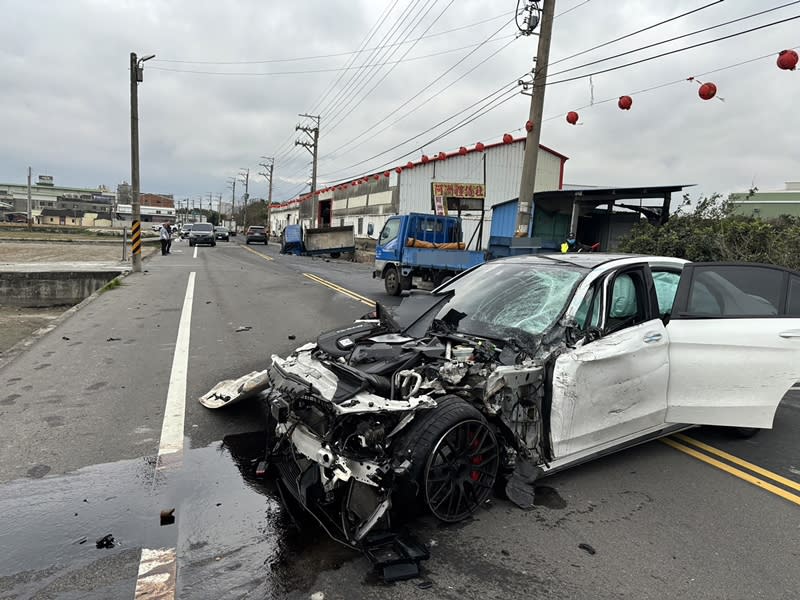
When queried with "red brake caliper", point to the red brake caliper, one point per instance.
{"points": [[476, 460]]}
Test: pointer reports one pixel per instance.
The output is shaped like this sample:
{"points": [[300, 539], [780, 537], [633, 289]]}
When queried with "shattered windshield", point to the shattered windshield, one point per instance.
{"points": [[499, 297]]}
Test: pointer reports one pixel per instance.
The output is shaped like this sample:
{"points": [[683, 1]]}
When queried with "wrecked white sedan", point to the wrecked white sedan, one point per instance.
{"points": [[517, 368]]}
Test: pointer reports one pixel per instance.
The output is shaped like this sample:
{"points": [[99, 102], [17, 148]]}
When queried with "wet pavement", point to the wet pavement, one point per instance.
{"points": [[80, 418]]}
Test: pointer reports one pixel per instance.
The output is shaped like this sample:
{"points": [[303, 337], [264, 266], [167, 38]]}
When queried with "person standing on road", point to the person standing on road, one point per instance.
{"points": [[166, 240]]}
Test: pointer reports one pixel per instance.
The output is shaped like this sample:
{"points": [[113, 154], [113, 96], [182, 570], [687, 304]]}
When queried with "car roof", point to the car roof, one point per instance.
{"points": [[590, 261]]}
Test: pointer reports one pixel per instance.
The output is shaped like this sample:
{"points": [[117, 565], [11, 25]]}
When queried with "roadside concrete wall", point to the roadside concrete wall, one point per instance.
{"points": [[42, 289]]}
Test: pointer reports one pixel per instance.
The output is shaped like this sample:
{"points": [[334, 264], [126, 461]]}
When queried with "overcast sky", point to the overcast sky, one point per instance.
{"points": [[64, 105]]}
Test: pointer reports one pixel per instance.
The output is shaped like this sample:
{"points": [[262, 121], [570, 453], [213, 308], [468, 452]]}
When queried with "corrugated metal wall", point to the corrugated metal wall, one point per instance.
{"points": [[503, 172]]}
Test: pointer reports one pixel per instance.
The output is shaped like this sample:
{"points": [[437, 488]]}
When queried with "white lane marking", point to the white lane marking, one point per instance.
{"points": [[157, 574], [158, 567], [172, 427], [195, 252]]}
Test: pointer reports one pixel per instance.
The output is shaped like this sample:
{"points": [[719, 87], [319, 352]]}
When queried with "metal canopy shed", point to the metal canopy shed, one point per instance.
{"points": [[558, 213]]}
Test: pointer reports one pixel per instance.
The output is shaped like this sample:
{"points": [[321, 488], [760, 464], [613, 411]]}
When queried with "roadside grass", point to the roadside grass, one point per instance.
{"points": [[111, 285]]}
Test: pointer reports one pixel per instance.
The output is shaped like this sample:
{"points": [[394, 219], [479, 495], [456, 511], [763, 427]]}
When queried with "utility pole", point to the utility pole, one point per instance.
{"points": [[137, 75], [531, 159], [245, 174], [269, 167], [232, 183], [312, 147], [30, 214]]}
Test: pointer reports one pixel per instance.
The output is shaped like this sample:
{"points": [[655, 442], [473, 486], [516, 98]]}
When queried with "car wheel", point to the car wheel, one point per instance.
{"points": [[391, 282], [213, 244], [454, 458], [247, 242], [744, 432], [442, 277], [191, 244]]}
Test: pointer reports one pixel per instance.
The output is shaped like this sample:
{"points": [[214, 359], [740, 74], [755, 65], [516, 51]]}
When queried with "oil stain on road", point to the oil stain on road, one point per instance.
{"points": [[232, 534]]}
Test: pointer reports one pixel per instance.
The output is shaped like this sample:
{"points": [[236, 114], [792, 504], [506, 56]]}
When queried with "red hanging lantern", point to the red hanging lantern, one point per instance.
{"points": [[376, 177], [479, 147], [386, 173], [528, 126], [442, 156], [463, 150], [354, 184], [507, 138], [425, 159], [787, 60], [625, 102], [707, 91], [398, 170], [572, 117], [409, 165]]}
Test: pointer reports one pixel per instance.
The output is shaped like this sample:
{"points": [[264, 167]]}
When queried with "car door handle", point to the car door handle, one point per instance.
{"points": [[794, 333], [651, 338]]}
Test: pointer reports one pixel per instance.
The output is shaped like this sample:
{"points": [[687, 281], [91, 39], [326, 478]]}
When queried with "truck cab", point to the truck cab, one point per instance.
{"points": [[418, 250]]}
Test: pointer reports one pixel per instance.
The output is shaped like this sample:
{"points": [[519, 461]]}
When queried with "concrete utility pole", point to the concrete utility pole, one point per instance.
{"points": [[137, 75], [313, 147], [30, 213], [268, 169], [245, 175], [531, 160], [232, 183]]}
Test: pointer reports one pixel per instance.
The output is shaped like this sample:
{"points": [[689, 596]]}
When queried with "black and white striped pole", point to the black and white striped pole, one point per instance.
{"points": [[137, 73]]}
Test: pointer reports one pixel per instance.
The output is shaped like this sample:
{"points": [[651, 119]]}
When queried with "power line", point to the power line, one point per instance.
{"points": [[510, 86], [330, 70], [569, 10], [427, 87], [353, 80], [671, 83], [385, 75], [335, 112], [317, 103], [638, 31], [678, 50], [678, 37], [319, 56]]}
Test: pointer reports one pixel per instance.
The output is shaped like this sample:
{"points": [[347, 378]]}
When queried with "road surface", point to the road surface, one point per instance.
{"points": [[97, 440]]}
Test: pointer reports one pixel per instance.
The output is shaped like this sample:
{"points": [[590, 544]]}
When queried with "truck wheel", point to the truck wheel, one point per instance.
{"points": [[442, 278], [392, 282]]}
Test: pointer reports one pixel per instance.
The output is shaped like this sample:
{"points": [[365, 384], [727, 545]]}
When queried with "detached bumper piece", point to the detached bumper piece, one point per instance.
{"points": [[395, 556]]}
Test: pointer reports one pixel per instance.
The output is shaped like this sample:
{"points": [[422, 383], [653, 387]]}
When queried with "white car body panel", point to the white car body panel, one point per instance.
{"points": [[731, 372], [609, 389]]}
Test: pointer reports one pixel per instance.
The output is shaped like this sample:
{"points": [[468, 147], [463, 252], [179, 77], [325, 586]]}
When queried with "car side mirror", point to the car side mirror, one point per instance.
{"points": [[575, 335], [370, 229]]}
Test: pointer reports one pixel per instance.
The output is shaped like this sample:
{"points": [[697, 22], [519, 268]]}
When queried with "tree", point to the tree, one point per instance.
{"points": [[710, 231]]}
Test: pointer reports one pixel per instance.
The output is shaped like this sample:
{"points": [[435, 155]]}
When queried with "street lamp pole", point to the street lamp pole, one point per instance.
{"points": [[137, 72]]}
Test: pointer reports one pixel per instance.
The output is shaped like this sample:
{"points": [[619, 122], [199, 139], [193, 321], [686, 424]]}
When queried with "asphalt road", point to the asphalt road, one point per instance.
{"points": [[82, 414]]}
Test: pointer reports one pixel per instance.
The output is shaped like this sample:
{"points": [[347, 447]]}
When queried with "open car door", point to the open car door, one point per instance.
{"points": [[734, 344]]}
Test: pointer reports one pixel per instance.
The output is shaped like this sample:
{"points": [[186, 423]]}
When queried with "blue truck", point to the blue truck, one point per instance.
{"points": [[421, 250]]}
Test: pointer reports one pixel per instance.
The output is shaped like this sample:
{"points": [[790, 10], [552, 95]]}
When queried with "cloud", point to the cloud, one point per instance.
{"points": [[64, 108]]}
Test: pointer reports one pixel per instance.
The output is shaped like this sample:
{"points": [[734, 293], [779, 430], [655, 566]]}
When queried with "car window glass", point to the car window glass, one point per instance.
{"points": [[735, 291], [390, 230], [588, 313], [666, 283], [793, 302], [626, 305]]}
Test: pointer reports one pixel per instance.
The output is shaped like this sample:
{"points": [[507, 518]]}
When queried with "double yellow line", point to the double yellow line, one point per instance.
{"points": [[264, 256], [706, 453], [337, 288]]}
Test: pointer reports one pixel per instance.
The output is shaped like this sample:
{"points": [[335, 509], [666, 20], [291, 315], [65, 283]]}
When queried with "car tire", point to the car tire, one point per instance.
{"points": [[213, 244], [449, 485], [191, 244], [247, 242], [744, 433]]}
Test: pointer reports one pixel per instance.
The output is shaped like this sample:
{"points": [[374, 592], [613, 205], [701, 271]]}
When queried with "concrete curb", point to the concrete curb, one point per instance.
{"points": [[10, 355]]}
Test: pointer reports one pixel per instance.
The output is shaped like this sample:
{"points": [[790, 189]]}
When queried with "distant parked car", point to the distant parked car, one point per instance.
{"points": [[222, 233], [256, 233], [186, 230], [202, 233]]}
